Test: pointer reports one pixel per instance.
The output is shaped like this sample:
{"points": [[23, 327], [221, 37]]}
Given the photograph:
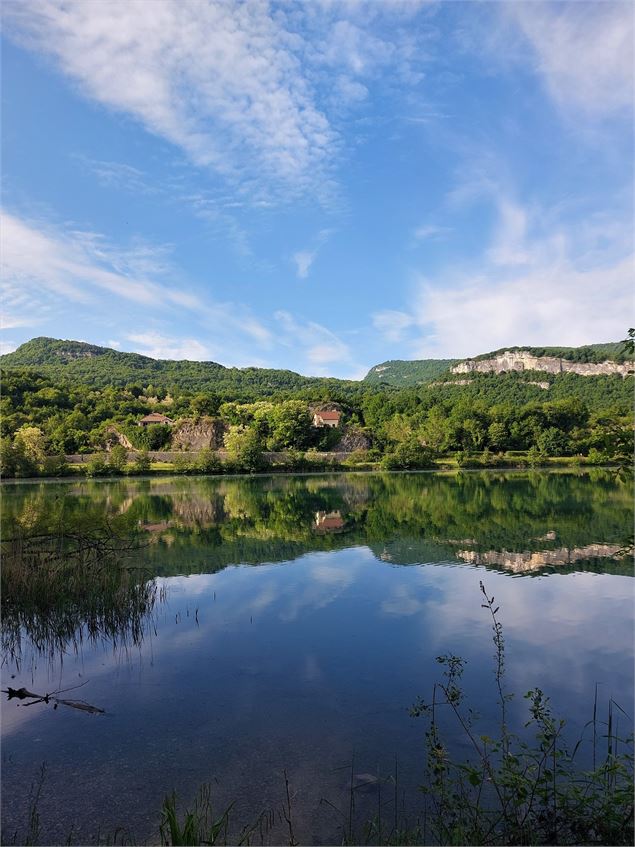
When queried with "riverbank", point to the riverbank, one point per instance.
{"points": [[219, 464]]}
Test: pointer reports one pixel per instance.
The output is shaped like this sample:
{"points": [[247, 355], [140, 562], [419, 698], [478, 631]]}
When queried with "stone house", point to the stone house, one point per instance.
{"points": [[330, 418], [155, 418]]}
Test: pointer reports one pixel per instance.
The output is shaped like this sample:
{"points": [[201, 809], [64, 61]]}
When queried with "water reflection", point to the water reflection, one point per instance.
{"points": [[524, 522], [315, 655]]}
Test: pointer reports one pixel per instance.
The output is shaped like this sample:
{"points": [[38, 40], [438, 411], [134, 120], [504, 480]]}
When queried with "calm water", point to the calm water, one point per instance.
{"points": [[296, 620]]}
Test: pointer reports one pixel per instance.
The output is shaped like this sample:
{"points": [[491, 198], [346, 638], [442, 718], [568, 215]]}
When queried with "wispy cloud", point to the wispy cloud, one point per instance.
{"points": [[583, 51], [253, 91], [392, 324], [303, 260], [219, 80], [322, 351], [430, 232], [536, 282], [551, 305], [45, 267], [159, 346]]}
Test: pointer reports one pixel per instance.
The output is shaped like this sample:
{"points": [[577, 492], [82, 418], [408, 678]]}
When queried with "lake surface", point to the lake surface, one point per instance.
{"points": [[296, 619]]}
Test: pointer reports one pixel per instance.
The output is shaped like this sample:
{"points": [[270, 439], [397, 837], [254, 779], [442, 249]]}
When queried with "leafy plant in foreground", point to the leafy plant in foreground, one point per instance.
{"points": [[515, 792]]}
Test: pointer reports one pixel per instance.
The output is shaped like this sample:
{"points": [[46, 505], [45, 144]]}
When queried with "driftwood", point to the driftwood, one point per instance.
{"points": [[25, 694]]}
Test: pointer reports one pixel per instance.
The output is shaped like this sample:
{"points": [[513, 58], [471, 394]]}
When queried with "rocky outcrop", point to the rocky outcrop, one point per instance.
{"points": [[512, 360], [531, 561], [198, 434], [353, 439], [112, 436]]}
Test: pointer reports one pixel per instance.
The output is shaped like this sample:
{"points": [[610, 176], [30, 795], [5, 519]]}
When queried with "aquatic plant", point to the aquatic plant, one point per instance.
{"points": [[514, 791], [67, 574]]}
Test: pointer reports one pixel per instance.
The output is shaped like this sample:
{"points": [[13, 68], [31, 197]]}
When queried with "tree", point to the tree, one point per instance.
{"points": [[32, 440], [118, 458], [290, 424], [142, 462], [409, 454], [244, 448], [205, 404], [208, 462]]}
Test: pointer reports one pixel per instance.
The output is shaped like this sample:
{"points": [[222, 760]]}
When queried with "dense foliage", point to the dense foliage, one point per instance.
{"points": [[610, 352], [405, 374], [50, 412]]}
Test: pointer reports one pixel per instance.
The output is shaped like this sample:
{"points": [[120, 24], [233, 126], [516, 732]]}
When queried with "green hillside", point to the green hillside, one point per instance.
{"points": [[612, 351], [78, 362], [405, 374]]}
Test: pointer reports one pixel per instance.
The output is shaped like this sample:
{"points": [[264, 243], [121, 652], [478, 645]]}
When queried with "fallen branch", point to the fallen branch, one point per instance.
{"points": [[25, 694]]}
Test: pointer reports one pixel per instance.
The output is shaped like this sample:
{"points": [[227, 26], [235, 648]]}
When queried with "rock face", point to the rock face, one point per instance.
{"points": [[198, 434], [511, 360], [528, 561], [112, 436], [353, 439]]}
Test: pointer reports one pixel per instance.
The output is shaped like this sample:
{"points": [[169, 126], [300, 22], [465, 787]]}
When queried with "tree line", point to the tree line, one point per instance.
{"points": [[481, 422]]}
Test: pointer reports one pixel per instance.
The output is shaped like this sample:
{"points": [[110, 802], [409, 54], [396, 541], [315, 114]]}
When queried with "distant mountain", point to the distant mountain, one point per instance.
{"points": [[611, 351], [79, 362], [408, 374]]}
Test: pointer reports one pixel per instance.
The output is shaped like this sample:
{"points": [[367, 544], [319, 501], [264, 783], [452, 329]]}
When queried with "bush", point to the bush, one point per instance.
{"points": [[409, 455], [142, 463], [97, 466], [514, 791], [245, 449], [54, 465], [118, 459], [207, 462]]}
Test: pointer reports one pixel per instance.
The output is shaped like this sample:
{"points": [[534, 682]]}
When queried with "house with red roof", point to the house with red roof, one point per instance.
{"points": [[155, 418], [327, 418]]}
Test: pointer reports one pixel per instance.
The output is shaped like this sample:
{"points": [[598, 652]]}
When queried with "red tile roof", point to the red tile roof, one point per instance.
{"points": [[329, 416], [155, 417]]}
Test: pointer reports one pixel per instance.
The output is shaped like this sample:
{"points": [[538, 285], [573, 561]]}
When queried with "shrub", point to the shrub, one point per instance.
{"points": [[517, 792], [207, 462], [54, 465], [96, 466], [142, 463], [409, 454], [118, 458]]}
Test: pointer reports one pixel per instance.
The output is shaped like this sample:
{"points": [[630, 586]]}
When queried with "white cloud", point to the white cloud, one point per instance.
{"points": [[242, 88], [509, 242], [549, 305], [76, 265], [159, 346], [583, 51], [321, 348], [393, 324], [538, 282], [44, 268], [220, 80], [303, 261], [430, 232]]}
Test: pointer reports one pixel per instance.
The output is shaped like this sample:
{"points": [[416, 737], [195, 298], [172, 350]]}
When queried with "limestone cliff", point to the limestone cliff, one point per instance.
{"points": [[198, 434], [512, 360], [112, 436], [352, 439]]}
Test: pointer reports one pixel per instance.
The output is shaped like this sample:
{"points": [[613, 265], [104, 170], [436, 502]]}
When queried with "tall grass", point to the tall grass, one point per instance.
{"points": [[69, 577]]}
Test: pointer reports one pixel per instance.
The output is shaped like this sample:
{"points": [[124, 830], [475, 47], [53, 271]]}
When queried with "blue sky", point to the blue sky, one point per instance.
{"points": [[317, 185]]}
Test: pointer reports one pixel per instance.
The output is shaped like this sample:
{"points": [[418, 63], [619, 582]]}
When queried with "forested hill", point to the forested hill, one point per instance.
{"points": [[612, 351], [408, 374], [78, 362]]}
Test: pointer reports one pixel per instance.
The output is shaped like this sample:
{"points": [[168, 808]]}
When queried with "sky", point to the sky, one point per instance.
{"points": [[320, 185]]}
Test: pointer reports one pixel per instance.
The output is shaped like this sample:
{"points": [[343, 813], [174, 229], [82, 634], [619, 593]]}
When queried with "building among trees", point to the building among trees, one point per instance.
{"points": [[155, 418]]}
